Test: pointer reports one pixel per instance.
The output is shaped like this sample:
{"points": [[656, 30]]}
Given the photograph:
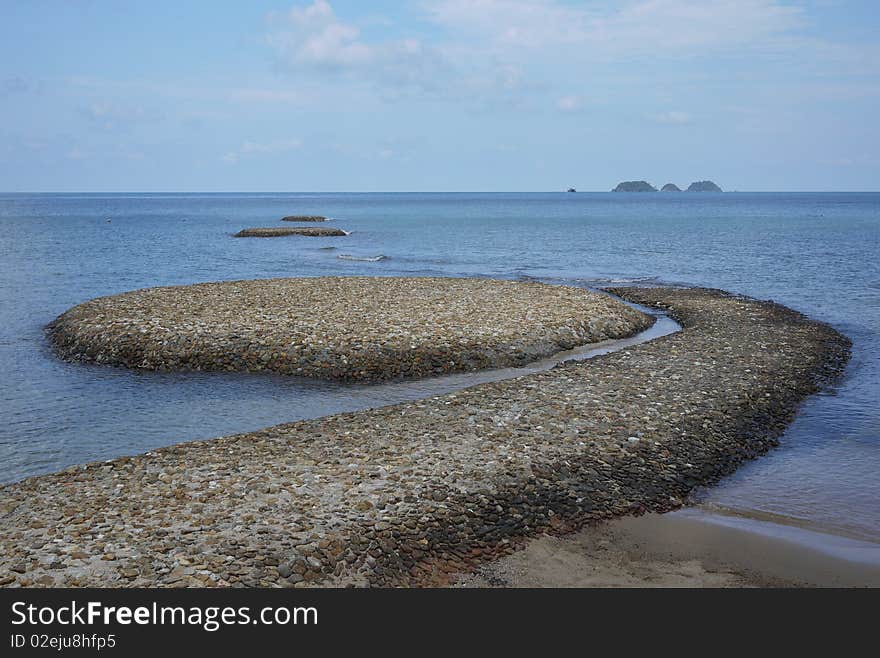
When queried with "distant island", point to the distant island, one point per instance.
{"points": [[634, 186], [703, 186], [645, 186]]}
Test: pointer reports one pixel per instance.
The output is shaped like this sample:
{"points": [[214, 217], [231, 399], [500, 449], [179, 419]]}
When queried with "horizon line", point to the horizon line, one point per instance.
{"points": [[557, 191]]}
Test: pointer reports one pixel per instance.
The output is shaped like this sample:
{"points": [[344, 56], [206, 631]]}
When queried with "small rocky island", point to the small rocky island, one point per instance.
{"points": [[304, 218], [703, 186], [634, 186], [274, 232], [644, 186]]}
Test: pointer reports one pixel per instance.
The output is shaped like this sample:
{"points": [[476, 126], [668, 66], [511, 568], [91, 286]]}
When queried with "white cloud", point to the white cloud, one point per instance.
{"points": [[524, 53], [554, 42], [312, 38], [312, 35], [520, 23], [638, 27], [267, 96], [673, 118], [695, 27], [570, 104], [253, 149], [110, 116]]}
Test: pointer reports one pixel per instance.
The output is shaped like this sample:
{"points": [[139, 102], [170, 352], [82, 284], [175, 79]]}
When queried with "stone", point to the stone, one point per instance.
{"points": [[281, 231], [341, 328], [454, 480]]}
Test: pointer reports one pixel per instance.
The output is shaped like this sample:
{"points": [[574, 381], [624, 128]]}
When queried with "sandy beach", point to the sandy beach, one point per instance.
{"points": [[678, 549], [415, 494]]}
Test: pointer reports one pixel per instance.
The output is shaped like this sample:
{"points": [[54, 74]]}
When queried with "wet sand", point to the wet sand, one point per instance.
{"points": [[685, 549]]}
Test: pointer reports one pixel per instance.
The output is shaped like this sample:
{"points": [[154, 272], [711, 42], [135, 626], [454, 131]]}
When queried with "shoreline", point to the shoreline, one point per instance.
{"points": [[685, 548], [419, 502]]}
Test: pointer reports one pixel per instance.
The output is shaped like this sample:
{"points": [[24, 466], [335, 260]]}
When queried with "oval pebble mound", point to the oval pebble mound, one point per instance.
{"points": [[341, 328], [416, 493]]}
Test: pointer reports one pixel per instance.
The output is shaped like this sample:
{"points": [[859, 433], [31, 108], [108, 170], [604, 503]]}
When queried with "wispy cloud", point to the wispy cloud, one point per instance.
{"points": [[673, 118], [111, 116], [269, 96], [516, 23], [858, 160], [253, 149], [14, 85], [77, 154], [490, 52], [177, 91], [647, 26]]}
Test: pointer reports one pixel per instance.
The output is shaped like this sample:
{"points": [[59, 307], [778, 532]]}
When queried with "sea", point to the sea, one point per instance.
{"points": [[818, 253]]}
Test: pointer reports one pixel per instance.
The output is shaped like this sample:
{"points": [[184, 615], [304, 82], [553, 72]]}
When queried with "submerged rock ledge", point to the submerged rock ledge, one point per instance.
{"points": [[279, 231], [342, 328], [408, 494]]}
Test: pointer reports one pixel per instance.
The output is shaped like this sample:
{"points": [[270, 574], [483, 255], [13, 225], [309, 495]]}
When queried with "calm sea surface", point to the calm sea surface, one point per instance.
{"points": [[817, 253]]}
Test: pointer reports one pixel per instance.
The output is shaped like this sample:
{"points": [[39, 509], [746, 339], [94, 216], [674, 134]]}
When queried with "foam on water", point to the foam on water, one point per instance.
{"points": [[365, 259]]}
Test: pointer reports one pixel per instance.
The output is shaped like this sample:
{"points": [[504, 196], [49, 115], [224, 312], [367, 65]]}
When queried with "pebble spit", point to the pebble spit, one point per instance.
{"points": [[279, 231], [409, 494], [341, 328]]}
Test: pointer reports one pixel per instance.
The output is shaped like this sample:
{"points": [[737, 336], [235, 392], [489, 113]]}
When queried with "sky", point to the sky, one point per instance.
{"points": [[438, 95]]}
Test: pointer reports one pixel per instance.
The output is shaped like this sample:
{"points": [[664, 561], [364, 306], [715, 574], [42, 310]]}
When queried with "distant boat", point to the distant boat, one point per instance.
{"points": [[571, 189]]}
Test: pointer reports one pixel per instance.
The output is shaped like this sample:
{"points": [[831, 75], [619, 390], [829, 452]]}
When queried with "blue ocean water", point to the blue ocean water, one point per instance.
{"points": [[814, 252]]}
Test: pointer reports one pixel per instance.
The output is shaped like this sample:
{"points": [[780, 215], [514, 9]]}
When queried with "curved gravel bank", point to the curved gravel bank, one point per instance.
{"points": [[342, 328], [304, 218], [279, 231], [408, 494]]}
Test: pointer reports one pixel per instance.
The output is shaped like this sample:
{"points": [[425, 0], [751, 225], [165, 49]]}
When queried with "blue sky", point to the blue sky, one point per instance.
{"points": [[438, 95]]}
